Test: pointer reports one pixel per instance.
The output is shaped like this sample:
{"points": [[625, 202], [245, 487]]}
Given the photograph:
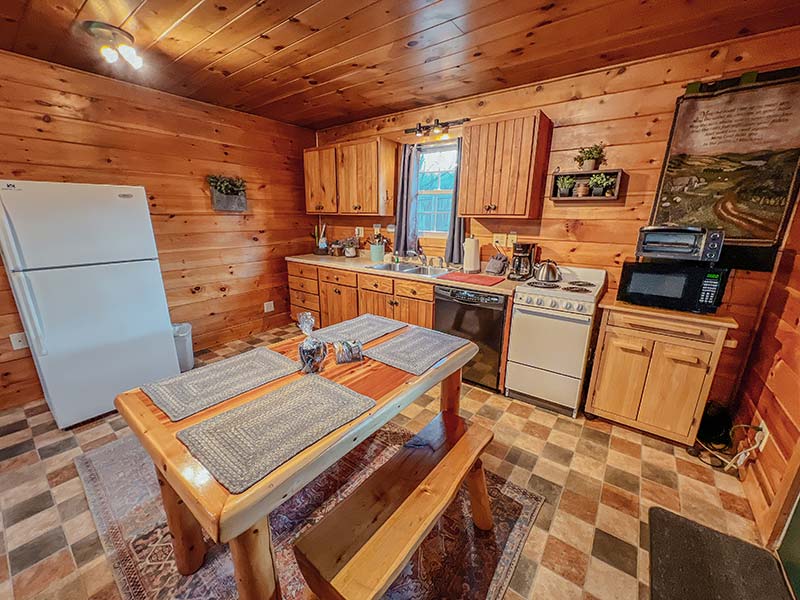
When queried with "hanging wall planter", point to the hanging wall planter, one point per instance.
{"points": [[228, 193]]}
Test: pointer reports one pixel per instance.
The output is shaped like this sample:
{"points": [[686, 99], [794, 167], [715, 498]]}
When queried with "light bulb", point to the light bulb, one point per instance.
{"points": [[109, 54], [129, 54], [418, 132], [437, 129]]}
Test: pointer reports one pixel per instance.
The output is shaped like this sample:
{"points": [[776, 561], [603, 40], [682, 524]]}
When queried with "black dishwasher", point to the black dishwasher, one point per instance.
{"points": [[478, 317]]}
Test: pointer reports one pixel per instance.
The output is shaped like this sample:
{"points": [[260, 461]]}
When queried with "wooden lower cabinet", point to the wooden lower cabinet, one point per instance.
{"points": [[376, 303], [414, 312], [654, 369], [337, 303]]}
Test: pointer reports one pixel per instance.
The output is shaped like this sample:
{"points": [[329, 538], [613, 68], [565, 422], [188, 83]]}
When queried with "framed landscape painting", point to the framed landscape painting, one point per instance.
{"points": [[732, 162]]}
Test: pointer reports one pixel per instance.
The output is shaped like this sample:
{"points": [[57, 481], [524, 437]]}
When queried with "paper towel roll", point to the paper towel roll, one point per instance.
{"points": [[472, 255]]}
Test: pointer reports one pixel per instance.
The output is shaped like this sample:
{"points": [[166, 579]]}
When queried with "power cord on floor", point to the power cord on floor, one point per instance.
{"points": [[726, 463]]}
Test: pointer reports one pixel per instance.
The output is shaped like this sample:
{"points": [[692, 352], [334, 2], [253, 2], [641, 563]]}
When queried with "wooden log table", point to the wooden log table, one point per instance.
{"points": [[195, 502]]}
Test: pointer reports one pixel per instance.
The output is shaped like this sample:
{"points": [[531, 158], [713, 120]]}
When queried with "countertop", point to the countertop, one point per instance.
{"points": [[362, 264], [609, 301]]}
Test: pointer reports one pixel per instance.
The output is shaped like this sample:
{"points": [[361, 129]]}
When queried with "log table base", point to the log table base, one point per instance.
{"points": [[187, 535]]}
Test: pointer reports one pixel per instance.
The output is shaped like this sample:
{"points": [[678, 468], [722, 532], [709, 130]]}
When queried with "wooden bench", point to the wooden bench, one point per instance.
{"points": [[360, 547]]}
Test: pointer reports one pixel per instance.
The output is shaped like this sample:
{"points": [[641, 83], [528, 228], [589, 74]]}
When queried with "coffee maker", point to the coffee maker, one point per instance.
{"points": [[522, 262]]}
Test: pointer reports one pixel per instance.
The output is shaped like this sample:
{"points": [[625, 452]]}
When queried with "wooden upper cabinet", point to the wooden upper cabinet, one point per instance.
{"points": [[319, 168], [504, 165], [364, 173]]}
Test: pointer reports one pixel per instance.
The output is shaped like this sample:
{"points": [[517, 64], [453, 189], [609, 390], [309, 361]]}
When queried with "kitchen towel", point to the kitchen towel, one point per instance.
{"points": [[365, 328], [243, 445], [417, 350], [189, 393]]}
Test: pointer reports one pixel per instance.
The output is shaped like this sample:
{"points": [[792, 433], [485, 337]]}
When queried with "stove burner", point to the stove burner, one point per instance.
{"points": [[579, 283], [543, 284], [576, 290]]}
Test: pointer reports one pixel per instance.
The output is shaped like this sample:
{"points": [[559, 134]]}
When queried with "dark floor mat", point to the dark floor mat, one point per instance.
{"points": [[689, 561]]}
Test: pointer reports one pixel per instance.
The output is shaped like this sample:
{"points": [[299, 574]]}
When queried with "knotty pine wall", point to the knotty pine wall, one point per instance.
{"points": [[770, 393], [57, 124], [630, 108]]}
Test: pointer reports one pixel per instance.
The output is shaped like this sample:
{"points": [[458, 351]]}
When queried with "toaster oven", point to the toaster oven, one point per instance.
{"points": [[681, 243]]}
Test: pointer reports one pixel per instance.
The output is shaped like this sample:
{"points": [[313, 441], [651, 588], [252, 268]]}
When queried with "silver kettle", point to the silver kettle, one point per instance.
{"points": [[547, 271]]}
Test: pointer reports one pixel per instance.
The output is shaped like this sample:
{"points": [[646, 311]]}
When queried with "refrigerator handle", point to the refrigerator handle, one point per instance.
{"points": [[31, 311], [9, 241]]}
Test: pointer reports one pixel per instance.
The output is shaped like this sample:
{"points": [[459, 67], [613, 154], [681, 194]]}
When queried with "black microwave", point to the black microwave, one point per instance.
{"points": [[678, 285]]}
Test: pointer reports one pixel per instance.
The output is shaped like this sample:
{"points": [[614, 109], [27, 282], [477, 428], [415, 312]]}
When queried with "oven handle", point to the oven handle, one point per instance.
{"points": [[553, 315]]}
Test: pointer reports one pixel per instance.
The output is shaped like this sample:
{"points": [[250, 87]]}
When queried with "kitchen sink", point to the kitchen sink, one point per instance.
{"points": [[424, 270], [396, 267]]}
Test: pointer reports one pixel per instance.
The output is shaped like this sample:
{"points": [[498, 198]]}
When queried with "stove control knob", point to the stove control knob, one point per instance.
{"points": [[540, 301], [568, 305], [581, 307], [554, 303], [528, 300]]}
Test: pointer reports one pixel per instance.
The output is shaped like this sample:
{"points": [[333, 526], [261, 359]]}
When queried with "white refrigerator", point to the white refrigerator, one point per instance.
{"points": [[84, 271]]}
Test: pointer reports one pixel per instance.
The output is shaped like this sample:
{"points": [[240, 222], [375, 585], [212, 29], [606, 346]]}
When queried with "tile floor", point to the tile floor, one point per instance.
{"points": [[590, 540]]}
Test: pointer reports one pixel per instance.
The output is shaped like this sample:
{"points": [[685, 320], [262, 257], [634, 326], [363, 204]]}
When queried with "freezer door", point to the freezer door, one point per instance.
{"points": [[44, 225], [94, 332]]}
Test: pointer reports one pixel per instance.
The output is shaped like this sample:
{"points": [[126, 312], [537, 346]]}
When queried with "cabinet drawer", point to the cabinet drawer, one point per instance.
{"points": [[413, 289], [301, 270], [376, 284], [337, 276], [296, 310], [689, 331], [301, 284], [309, 301]]}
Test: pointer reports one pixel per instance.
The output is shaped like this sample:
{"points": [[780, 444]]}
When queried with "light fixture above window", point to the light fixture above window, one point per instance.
{"points": [[113, 42], [439, 128]]}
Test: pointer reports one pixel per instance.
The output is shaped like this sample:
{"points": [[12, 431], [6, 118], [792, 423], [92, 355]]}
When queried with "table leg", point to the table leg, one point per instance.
{"points": [[254, 563], [187, 535], [479, 497], [451, 393]]}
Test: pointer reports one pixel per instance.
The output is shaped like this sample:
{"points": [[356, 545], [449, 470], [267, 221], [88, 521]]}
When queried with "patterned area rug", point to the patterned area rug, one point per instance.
{"points": [[456, 560]]}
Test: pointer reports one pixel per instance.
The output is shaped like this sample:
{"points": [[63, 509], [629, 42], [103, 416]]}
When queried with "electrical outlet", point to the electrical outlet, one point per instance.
{"points": [[499, 239], [512, 238], [18, 341], [359, 232], [269, 306], [762, 436]]}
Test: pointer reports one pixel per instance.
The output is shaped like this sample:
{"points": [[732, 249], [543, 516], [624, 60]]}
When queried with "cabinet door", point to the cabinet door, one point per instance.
{"points": [[624, 360], [503, 166], [413, 312], [375, 303], [319, 167], [337, 303], [357, 175], [673, 387]]}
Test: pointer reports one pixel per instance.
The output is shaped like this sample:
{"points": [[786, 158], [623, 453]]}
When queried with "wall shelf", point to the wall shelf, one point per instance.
{"points": [[583, 176]]}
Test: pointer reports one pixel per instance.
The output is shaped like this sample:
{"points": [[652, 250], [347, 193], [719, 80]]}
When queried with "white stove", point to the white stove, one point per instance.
{"points": [[550, 339]]}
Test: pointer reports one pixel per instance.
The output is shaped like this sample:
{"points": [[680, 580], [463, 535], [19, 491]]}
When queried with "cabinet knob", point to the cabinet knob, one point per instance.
{"points": [[413, 292], [494, 206], [487, 207], [375, 285], [337, 291]]}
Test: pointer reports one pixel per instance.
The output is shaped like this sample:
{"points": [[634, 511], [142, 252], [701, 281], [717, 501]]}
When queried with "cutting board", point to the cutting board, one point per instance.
{"points": [[477, 279]]}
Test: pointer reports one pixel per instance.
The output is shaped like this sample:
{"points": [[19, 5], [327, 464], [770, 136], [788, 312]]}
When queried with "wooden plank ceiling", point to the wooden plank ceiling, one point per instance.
{"points": [[325, 62]]}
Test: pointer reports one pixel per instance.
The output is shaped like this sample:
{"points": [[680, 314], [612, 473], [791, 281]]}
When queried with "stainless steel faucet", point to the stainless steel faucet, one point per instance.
{"points": [[423, 260], [442, 264]]}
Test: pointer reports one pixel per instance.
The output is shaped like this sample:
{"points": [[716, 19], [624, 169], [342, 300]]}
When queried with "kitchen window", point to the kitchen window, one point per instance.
{"points": [[436, 182]]}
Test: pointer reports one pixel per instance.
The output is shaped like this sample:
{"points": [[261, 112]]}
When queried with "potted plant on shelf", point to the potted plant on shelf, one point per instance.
{"points": [[228, 193], [590, 158], [565, 183], [600, 182]]}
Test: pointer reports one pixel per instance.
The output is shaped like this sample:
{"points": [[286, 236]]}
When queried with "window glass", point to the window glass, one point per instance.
{"points": [[435, 185]]}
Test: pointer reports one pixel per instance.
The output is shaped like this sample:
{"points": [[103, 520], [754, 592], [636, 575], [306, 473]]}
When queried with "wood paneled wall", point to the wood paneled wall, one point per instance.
{"points": [[628, 107], [57, 124], [770, 394]]}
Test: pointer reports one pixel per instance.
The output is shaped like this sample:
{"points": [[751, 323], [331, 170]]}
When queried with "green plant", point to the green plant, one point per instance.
{"points": [[601, 180], [565, 182], [595, 152], [230, 186]]}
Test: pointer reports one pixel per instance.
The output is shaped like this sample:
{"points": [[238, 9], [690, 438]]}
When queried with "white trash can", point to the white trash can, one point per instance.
{"points": [[182, 334]]}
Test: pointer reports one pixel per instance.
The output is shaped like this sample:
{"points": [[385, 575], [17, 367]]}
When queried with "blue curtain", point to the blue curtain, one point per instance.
{"points": [[454, 250], [406, 236]]}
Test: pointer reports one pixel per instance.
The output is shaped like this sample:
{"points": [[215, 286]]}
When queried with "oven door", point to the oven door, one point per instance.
{"points": [[549, 340], [664, 285]]}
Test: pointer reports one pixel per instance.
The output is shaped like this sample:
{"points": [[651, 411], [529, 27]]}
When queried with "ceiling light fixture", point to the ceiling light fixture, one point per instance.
{"points": [[441, 128], [113, 42]]}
